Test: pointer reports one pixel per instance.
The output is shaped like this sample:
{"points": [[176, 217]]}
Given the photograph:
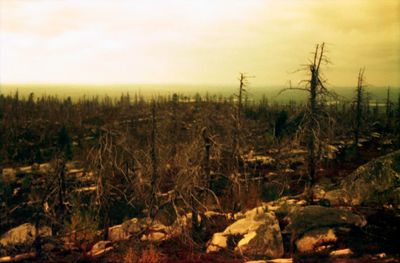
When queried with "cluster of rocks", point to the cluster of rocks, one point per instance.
{"points": [[275, 229], [308, 228]]}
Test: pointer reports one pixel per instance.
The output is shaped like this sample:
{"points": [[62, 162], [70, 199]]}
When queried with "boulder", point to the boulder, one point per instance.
{"points": [[23, 234], [375, 183], [314, 239], [312, 217], [258, 233], [314, 228]]}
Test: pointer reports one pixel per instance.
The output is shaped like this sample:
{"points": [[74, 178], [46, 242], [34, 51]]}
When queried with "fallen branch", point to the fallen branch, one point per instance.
{"points": [[101, 252]]}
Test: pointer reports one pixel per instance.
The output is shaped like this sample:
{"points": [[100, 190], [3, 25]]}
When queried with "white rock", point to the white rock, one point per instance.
{"points": [[219, 241], [260, 234]]}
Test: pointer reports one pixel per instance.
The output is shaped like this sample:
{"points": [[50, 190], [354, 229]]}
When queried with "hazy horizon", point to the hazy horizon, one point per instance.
{"points": [[254, 93]]}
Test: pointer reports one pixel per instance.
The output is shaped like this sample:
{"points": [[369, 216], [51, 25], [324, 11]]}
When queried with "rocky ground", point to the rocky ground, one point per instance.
{"points": [[352, 219]]}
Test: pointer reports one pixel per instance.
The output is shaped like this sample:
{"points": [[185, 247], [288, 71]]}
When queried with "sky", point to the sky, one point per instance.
{"points": [[197, 41]]}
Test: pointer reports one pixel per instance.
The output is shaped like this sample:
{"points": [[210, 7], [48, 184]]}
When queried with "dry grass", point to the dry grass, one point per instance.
{"points": [[130, 256], [152, 255], [147, 255]]}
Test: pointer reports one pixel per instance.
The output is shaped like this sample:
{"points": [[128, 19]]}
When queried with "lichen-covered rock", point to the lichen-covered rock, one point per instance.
{"points": [[259, 234], [375, 183], [314, 228], [312, 217], [23, 234]]}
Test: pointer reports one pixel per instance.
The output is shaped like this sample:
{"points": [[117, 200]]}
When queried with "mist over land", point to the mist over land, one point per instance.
{"points": [[149, 91]]}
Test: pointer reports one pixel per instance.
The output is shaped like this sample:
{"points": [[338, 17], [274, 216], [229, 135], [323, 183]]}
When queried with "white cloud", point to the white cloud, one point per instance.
{"points": [[194, 41]]}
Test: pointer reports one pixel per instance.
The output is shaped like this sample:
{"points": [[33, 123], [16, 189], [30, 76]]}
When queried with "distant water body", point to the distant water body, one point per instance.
{"points": [[148, 91]]}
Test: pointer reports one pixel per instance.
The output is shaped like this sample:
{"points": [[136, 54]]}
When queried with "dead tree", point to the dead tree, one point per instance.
{"points": [[206, 161], [198, 194], [359, 107], [237, 133], [175, 102], [388, 110], [102, 161], [101, 157], [60, 170], [154, 159], [312, 122], [237, 119]]}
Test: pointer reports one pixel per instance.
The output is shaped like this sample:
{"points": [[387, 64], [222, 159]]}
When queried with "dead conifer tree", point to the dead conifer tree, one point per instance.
{"points": [[174, 119], [154, 160], [359, 106], [206, 160], [60, 170], [312, 122], [237, 119], [388, 110], [237, 134], [100, 158]]}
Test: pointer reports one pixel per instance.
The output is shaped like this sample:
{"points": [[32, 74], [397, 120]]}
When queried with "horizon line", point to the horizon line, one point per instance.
{"points": [[168, 84]]}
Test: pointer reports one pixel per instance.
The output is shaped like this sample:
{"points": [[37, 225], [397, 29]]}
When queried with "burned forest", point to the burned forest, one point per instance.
{"points": [[209, 178], [199, 131]]}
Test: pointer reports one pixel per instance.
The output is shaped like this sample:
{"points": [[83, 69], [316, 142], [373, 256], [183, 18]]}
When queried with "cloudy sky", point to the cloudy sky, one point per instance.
{"points": [[196, 41]]}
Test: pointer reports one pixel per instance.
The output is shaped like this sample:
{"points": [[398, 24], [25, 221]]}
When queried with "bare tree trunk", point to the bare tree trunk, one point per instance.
{"points": [[238, 124], [312, 123], [174, 123], [206, 160], [388, 110], [236, 141], [154, 159], [358, 107], [312, 129], [61, 185]]}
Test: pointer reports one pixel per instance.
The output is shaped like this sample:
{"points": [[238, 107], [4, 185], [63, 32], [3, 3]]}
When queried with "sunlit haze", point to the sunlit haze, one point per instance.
{"points": [[196, 42]]}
